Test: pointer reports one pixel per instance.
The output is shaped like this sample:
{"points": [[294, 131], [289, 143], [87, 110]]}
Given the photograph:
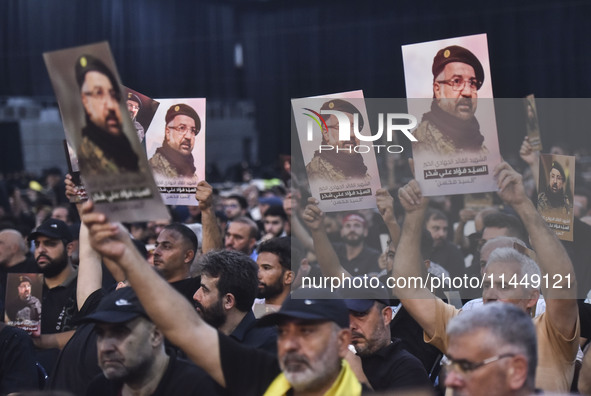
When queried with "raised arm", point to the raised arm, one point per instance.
{"points": [[170, 311], [531, 158], [561, 306], [212, 236], [408, 262], [325, 253], [385, 204]]}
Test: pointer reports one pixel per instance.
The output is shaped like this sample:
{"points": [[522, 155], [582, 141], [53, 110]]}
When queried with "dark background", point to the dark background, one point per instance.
{"points": [[297, 49]]}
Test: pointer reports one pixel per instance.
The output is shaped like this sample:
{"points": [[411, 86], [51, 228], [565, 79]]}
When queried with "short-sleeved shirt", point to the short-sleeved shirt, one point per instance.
{"points": [[556, 354], [59, 306], [247, 333]]}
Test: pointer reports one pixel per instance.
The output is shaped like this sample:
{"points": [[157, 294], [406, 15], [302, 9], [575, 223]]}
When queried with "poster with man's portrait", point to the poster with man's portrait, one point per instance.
{"points": [[449, 90], [23, 302], [531, 123], [175, 146], [141, 110], [340, 163], [113, 166], [555, 198]]}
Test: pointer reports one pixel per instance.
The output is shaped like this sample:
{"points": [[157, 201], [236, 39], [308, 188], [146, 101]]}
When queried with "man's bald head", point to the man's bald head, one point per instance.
{"points": [[12, 248]]}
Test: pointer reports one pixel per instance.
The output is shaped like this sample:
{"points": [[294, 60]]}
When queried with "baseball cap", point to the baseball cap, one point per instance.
{"points": [[309, 304], [362, 299], [52, 228], [118, 306]]}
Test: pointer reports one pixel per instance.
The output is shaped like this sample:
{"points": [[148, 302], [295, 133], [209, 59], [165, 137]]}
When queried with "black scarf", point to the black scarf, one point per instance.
{"points": [[184, 164], [115, 147], [351, 165], [465, 134], [556, 199]]}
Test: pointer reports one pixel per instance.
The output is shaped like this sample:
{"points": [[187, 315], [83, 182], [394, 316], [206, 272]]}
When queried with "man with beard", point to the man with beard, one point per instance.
{"points": [[313, 341], [132, 356], [134, 104], [444, 252], [341, 163], [175, 158], [229, 285], [450, 127], [104, 148], [51, 240], [554, 197], [275, 275], [27, 307], [274, 222], [385, 362], [353, 254]]}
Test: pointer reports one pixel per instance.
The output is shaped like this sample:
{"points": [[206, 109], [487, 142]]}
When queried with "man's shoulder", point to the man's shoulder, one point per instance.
{"points": [[161, 164]]}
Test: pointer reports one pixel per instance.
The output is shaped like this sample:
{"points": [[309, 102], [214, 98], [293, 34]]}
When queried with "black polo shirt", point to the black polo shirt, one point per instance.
{"points": [[248, 334], [59, 306], [393, 367]]}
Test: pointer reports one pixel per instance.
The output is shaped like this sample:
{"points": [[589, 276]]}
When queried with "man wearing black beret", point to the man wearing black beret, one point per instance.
{"points": [[175, 158], [134, 104], [450, 127], [553, 197], [342, 162], [104, 148]]}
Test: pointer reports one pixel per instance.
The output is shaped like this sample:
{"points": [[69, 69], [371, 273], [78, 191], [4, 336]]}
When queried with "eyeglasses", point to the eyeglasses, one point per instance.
{"points": [[133, 107], [458, 84], [102, 95], [183, 129], [465, 366]]}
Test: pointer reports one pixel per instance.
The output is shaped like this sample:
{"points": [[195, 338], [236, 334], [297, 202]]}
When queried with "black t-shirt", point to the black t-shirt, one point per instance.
{"points": [[17, 362], [77, 363], [247, 333], [364, 263], [393, 367], [187, 287], [181, 378], [59, 307], [247, 371]]}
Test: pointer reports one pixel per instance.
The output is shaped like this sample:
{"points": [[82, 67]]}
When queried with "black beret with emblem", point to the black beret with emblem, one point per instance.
{"points": [[183, 109], [344, 106], [133, 97], [86, 63], [24, 278], [455, 53]]}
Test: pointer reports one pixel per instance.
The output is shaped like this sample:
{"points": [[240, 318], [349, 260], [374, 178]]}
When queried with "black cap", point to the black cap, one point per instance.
{"points": [[313, 308], [133, 97], [52, 228], [24, 278], [183, 109], [87, 63], [119, 306], [455, 53], [362, 299], [344, 106]]}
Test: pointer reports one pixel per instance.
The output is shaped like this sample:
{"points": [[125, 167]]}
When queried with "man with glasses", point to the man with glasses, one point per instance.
{"points": [[509, 276], [491, 351], [104, 148], [175, 158], [450, 127]]}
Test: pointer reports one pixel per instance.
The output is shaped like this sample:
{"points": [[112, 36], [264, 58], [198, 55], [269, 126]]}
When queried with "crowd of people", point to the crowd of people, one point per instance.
{"points": [[217, 300]]}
